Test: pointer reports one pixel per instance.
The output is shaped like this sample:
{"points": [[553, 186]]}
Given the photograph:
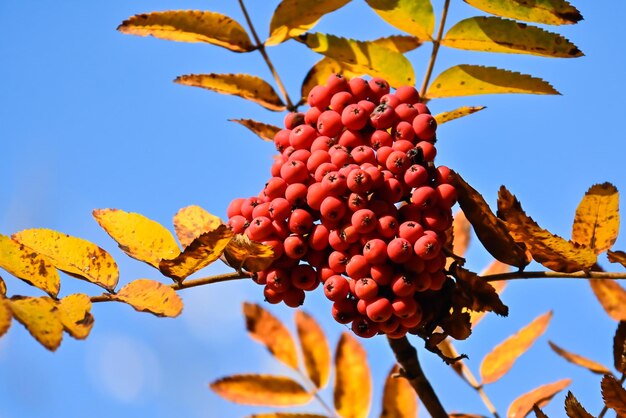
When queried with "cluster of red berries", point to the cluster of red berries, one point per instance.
{"points": [[355, 203]]}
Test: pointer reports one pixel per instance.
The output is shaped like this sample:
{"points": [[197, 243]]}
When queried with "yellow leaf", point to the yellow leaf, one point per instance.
{"points": [[190, 26], [579, 360], [150, 296], [363, 57], [612, 297], [457, 113], [614, 394], [287, 415], [596, 223], [40, 317], [265, 131], [269, 331], [241, 253], [494, 34], [550, 12], [353, 381], [75, 256], [138, 236], [546, 248], [469, 80], [540, 396], [294, 17], [247, 86], [398, 43], [5, 315], [29, 266], [411, 16], [315, 349], [192, 221], [263, 390], [574, 409], [617, 257], [75, 315], [500, 360], [3, 287], [399, 399]]}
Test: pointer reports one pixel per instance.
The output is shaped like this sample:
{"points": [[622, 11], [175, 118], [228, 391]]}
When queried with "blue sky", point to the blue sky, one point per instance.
{"points": [[89, 118]]}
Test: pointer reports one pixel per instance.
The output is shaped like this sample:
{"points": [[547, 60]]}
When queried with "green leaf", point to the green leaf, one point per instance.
{"points": [[457, 113], [265, 131], [411, 16], [493, 34], [550, 12], [469, 80]]}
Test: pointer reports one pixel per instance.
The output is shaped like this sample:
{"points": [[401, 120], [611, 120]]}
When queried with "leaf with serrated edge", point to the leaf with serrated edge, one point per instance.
{"points": [[550, 12], [40, 317], [500, 360], [29, 266], [190, 26], [294, 17], [75, 256], [457, 113], [353, 380], [495, 267], [139, 237], [399, 399], [247, 86], [596, 223], [411, 16], [619, 347], [479, 294], [494, 34], [265, 131], [574, 409], [147, 295], [611, 296], [242, 253], [3, 288], [538, 412], [269, 331], [470, 80], [315, 349], [579, 360], [5, 316], [287, 415], [192, 221], [617, 257], [261, 390], [546, 248], [75, 315], [539, 397], [398, 43], [614, 394]]}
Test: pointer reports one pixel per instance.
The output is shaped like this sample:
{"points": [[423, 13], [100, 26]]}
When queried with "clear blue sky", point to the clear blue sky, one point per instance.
{"points": [[89, 118]]}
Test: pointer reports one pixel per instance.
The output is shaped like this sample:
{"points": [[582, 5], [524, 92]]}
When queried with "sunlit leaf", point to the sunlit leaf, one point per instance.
{"points": [[269, 331], [538, 412], [399, 399], [315, 349], [353, 381], [617, 257], [611, 296], [494, 34], [500, 360], [477, 294], [263, 390], [469, 80], [550, 12], [294, 17], [29, 266], [5, 316], [398, 43], [539, 397], [462, 233], [287, 415], [139, 237], [546, 248], [39, 316], [3, 287], [496, 267], [614, 394], [147, 295], [457, 113], [192, 221], [75, 315], [242, 253], [596, 223], [190, 26], [411, 16], [619, 347], [574, 409], [246, 86], [75, 256], [263, 130], [579, 360]]}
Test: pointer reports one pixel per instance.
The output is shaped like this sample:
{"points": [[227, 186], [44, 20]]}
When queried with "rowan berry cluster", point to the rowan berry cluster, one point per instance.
{"points": [[356, 203]]}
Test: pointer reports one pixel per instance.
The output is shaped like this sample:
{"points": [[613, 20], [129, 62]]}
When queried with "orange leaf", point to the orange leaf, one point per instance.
{"points": [[287, 415], [444, 117], [75, 315], [574, 409], [538, 412], [3, 287], [399, 399], [596, 223], [353, 381], [477, 294], [5, 316], [617, 257], [496, 267], [315, 349], [263, 390], [263, 130], [539, 397], [590, 365], [614, 394], [242, 253], [462, 233], [150, 296], [501, 359], [612, 297], [269, 331], [447, 349], [192, 221], [39, 316], [619, 348]]}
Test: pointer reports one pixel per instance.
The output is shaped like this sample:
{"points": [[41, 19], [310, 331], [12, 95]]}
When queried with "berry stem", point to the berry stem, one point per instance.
{"points": [[433, 54], [554, 275]]}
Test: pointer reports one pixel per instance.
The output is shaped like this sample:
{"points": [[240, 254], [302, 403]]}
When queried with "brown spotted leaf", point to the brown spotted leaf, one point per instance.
{"points": [[192, 221], [399, 399], [550, 12], [546, 248], [5, 315], [75, 315], [41, 319], [477, 294], [265, 131], [574, 409], [353, 380], [262, 390], [75, 256], [411, 16], [612, 297], [147, 295], [596, 223], [579, 360], [619, 347], [491, 231], [617, 257], [26, 264], [538, 412], [457, 113], [500, 360], [242, 253], [614, 394], [496, 267], [538, 397], [315, 349]]}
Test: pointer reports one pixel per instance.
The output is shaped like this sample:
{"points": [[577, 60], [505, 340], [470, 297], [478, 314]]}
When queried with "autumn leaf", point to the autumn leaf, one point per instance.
{"points": [[398, 43], [457, 325], [150, 296], [287, 415], [619, 347], [411, 16], [269, 331], [596, 223], [611, 296], [614, 394], [75, 256], [192, 221], [315, 349], [477, 294], [294, 17], [246, 86], [500, 360], [550, 12], [190, 26], [538, 412], [470, 80], [242, 253], [538, 397], [462, 233], [447, 349], [617, 257], [457, 113], [496, 267], [262, 390], [5, 315], [353, 381], [579, 360], [75, 315], [399, 399], [265, 131], [3, 288], [39, 316], [574, 409]]}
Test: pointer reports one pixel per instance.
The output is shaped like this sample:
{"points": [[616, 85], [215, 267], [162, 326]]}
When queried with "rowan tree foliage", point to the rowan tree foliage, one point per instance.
{"points": [[373, 230]]}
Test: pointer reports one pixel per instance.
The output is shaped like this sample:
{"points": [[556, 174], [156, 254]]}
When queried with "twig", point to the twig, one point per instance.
{"points": [[554, 275], [311, 388], [436, 43]]}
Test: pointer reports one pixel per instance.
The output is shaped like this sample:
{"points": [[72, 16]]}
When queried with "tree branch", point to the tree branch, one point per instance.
{"points": [[554, 275]]}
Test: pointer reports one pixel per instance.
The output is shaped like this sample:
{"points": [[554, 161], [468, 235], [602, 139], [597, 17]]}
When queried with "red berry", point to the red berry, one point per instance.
{"points": [[424, 197], [295, 247], [353, 116], [340, 101], [294, 297], [366, 288], [302, 137], [357, 267], [364, 221], [379, 87], [319, 96], [375, 251], [407, 94], [294, 171], [304, 277], [364, 328], [344, 311], [293, 119], [359, 88], [379, 309], [336, 288], [424, 126], [399, 250], [329, 124], [427, 247], [300, 221]]}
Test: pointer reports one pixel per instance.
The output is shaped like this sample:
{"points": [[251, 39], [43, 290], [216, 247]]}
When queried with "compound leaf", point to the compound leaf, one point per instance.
{"points": [[457, 113], [411, 16], [75, 315], [550, 12], [147, 295], [611, 296], [263, 130], [192, 221], [399, 400], [40, 317], [315, 349], [353, 381], [614, 394], [538, 397], [262, 390], [579, 360], [596, 223]]}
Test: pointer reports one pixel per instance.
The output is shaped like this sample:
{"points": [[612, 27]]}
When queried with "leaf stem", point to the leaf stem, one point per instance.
{"points": [[554, 275], [436, 44], [315, 390]]}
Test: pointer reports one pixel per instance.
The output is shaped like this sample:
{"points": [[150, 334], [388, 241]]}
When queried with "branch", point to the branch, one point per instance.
{"points": [[436, 43], [554, 275]]}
